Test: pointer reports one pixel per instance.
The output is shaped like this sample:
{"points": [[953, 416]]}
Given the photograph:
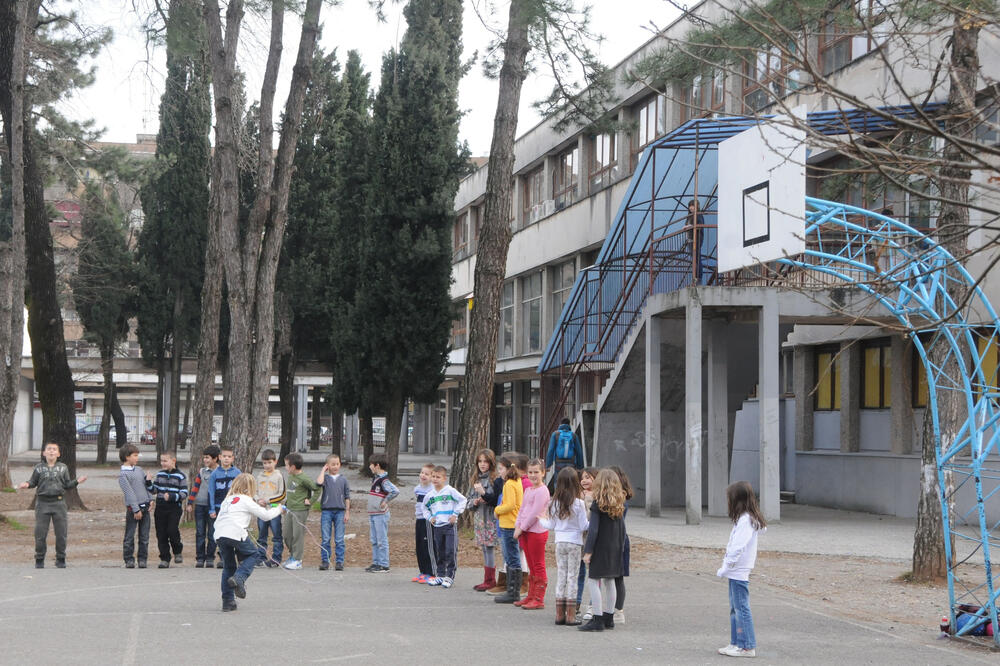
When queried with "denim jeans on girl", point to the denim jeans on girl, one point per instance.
{"points": [[232, 551], [511, 551], [740, 621]]}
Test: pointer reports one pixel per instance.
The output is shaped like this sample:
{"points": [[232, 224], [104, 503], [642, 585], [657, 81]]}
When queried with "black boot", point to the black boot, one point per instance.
{"points": [[513, 592], [609, 620], [595, 623]]}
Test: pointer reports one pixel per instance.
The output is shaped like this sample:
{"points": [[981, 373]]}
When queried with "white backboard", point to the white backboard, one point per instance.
{"points": [[762, 190]]}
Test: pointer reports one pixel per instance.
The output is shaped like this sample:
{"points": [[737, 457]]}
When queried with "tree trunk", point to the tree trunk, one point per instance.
{"points": [[121, 438], [286, 401], [161, 379], [491, 257], [366, 440], [337, 432], [395, 408], [12, 259], [187, 414], [176, 359], [952, 230], [108, 370], [316, 420]]}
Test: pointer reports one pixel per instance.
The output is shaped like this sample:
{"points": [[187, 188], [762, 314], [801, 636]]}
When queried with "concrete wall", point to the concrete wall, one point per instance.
{"points": [[744, 465]]}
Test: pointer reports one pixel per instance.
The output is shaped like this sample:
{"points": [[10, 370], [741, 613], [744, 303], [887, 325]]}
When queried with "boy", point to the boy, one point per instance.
{"points": [[52, 480], [382, 492], [441, 507], [200, 500], [136, 488], [169, 492], [425, 558], [300, 489], [270, 493], [336, 504], [222, 477]]}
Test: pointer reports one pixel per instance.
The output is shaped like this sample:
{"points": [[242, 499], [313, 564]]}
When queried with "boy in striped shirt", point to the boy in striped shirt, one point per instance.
{"points": [[169, 492], [441, 507]]}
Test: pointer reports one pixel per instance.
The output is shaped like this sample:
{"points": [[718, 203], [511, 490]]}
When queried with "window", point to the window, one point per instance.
{"points": [[530, 409], [651, 116], [704, 96], [475, 219], [563, 277], [875, 374], [602, 160], [850, 31], [769, 75], [565, 178], [460, 237], [988, 129], [532, 194], [505, 340], [987, 348], [531, 313], [504, 394], [441, 416], [827, 378], [459, 337]]}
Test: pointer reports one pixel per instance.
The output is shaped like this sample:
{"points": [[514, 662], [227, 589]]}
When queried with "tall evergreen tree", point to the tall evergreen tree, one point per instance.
{"points": [[404, 297], [175, 201]]}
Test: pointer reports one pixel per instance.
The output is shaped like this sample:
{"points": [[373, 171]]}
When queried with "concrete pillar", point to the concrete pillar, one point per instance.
{"points": [[718, 419], [767, 397], [850, 396], [653, 415], [803, 384], [692, 408], [301, 417], [901, 394]]}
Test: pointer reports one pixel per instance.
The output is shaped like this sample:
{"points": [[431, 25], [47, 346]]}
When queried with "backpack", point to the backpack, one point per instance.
{"points": [[564, 448]]}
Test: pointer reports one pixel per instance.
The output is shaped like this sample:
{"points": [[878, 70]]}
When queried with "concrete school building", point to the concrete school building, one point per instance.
{"points": [[843, 402]]}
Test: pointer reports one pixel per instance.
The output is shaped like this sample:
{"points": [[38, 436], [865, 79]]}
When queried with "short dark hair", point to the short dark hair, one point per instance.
{"points": [[170, 453], [564, 422], [268, 454], [126, 451], [294, 459], [212, 451], [227, 447], [441, 469], [379, 459]]}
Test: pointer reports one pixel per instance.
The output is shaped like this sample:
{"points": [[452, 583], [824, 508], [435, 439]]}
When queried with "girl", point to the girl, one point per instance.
{"points": [[483, 499], [235, 514], [603, 550], [532, 535], [568, 516], [587, 475], [741, 553], [506, 512], [620, 580]]}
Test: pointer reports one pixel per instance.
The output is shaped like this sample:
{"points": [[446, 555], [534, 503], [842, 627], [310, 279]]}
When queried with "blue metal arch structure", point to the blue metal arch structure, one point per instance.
{"points": [[954, 328]]}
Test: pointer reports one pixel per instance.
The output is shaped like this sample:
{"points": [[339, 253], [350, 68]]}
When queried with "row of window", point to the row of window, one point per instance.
{"points": [[876, 372]]}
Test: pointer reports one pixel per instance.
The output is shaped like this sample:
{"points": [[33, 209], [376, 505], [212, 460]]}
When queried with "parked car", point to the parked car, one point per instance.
{"points": [[89, 433], [149, 437]]}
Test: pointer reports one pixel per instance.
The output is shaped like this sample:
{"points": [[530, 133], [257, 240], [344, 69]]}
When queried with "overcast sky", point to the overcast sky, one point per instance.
{"points": [[126, 95]]}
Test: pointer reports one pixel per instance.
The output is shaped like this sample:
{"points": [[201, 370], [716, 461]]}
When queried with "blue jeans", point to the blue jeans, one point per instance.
{"points": [[204, 541], [740, 621], [274, 525], [581, 580], [231, 550], [333, 518], [378, 527], [511, 551]]}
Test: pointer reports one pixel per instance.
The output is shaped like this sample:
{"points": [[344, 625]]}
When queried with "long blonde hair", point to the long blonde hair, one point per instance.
{"points": [[609, 494], [243, 484]]}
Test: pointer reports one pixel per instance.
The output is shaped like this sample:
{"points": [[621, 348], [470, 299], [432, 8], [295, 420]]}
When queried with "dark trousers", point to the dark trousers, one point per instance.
{"points": [[445, 548], [425, 554], [167, 518], [133, 527], [46, 511], [238, 560], [274, 526], [204, 539]]}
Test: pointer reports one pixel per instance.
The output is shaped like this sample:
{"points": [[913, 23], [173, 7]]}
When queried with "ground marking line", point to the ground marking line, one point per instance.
{"points": [[342, 658], [101, 587], [132, 646]]}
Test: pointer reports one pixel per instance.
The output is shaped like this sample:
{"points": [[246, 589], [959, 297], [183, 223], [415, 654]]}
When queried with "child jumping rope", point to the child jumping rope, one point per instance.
{"points": [[482, 501], [568, 517], [603, 550], [741, 554]]}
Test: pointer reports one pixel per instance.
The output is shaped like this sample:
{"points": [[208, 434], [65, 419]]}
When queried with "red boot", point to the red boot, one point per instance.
{"points": [[536, 596], [527, 598], [488, 580]]}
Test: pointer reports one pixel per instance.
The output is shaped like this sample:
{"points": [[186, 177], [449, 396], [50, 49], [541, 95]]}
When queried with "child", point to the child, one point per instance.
{"points": [[508, 507], [382, 492], [136, 488], [270, 492], [626, 551], [52, 480], [442, 507], [169, 492], [586, 483], [532, 535], [300, 490], [219, 482], [521, 460], [741, 554], [200, 498], [234, 515], [336, 504], [567, 514], [483, 499], [422, 530], [603, 550]]}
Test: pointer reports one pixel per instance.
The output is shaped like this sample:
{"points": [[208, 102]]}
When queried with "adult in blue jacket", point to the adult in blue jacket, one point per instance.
{"points": [[564, 450]]}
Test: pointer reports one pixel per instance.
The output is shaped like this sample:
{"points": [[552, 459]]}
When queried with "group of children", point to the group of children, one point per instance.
{"points": [[510, 504]]}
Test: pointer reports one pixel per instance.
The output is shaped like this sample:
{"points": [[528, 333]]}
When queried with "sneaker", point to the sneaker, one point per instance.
{"points": [[237, 586], [39, 564], [725, 650], [60, 564], [733, 651], [142, 564], [371, 568], [219, 565], [199, 564], [619, 617], [164, 564], [339, 566], [434, 582], [178, 559], [381, 569], [260, 563], [419, 578], [228, 606], [130, 564], [292, 564], [324, 566], [589, 613], [446, 582]]}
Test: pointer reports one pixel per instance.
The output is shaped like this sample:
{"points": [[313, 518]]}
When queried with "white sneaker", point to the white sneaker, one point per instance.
{"points": [[725, 650], [589, 613], [619, 617], [446, 582], [293, 564], [434, 582], [733, 651]]}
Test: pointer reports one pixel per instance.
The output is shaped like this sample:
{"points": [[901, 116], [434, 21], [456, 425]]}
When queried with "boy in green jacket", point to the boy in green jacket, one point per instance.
{"points": [[52, 480], [299, 490]]}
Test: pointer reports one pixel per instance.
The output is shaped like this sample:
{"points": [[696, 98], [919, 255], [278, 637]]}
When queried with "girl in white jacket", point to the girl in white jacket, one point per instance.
{"points": [[741, 554], [567, 515], [235, 514]]}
